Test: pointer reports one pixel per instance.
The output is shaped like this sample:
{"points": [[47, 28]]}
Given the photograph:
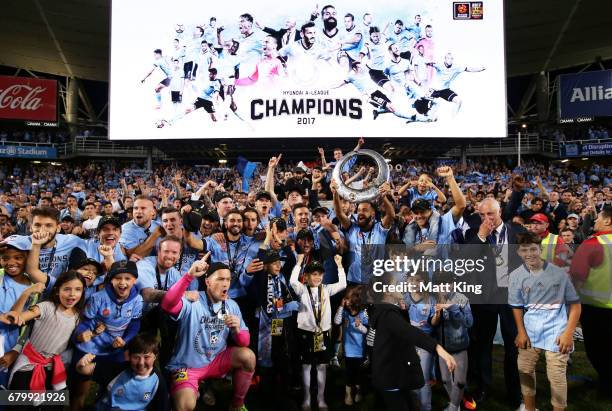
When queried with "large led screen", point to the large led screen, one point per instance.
{"points": [[235, 68]]}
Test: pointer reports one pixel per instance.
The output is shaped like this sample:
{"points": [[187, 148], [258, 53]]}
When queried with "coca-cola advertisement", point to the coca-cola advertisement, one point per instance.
{"points": [[25, 98]]}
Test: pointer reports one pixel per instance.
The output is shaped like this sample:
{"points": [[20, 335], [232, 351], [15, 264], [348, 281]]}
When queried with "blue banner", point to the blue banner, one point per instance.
{"points": [[34, 152], [586, 150], [587, 94]]}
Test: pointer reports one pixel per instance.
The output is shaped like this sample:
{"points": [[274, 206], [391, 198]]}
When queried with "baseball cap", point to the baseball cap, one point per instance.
{"points": [[263, 194], [299, 170], [539, 217], [78, 259], [109, 219], [192, 221], [216, 266], [68, 218], [220, 195], [574, 215], [270, 256], [123, 267]]}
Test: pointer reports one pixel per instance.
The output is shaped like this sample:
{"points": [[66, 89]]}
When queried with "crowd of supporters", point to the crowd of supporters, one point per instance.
{"points": [[152, 282]]}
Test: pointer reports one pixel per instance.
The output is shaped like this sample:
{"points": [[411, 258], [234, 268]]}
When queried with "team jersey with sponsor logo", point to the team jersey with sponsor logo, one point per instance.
{"points": [[202, 332]]}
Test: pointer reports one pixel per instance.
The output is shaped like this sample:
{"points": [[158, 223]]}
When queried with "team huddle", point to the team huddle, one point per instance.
{"points": [[399, 68]]}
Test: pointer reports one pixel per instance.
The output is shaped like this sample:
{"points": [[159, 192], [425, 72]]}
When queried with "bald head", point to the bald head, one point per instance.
{"points": [[489, 210]]}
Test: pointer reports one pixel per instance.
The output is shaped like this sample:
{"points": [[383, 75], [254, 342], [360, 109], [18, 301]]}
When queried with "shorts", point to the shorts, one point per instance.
{"points": [[379, 99], [205, 104], [378, 77], [306, 344], [176, 96], [191, 377], [165, 82], [446, 94], [423, 105]]}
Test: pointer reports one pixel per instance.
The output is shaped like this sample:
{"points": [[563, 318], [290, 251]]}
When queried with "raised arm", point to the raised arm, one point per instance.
{"points": [[33, 261], [389, 208], [344, 220], [269, 186], [458, 197]]}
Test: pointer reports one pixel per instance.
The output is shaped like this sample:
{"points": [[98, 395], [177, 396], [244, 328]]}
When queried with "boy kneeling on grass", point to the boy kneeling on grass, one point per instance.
{"points": [[540, 294]]}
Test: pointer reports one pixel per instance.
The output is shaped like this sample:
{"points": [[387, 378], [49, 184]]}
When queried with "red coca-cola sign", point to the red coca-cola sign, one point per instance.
{"points": [[24, 98]]}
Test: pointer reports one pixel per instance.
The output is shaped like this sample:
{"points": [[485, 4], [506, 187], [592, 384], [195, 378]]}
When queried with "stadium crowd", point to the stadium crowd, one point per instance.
{"points": [[150, 283]]}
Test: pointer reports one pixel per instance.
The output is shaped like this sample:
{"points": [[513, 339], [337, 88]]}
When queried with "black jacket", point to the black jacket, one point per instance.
{"points": [[395, 362]]}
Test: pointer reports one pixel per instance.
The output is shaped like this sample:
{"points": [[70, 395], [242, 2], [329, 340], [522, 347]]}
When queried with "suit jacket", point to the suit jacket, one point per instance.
{"points": [[491, 293]]}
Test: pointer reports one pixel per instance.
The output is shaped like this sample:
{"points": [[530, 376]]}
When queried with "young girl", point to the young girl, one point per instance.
{"points": [[420, 307], [451, 318], [314, 322], [354, 319], [40, 365]]}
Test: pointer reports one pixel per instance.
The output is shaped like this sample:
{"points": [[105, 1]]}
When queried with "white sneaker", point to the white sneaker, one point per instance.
{"points": [[323, 406], [334, 362]]}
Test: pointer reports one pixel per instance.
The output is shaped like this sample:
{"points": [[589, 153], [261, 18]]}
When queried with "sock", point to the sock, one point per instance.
{"points": [[158, 98], [241, 381], [336, 349], [306, 380], [321, 376]]}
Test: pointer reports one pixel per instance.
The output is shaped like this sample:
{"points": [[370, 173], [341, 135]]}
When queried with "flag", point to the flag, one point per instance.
{"points": [[246, 169]]}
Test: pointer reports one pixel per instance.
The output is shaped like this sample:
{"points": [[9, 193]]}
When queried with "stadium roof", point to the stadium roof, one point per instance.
{"points": [[71, 37]]}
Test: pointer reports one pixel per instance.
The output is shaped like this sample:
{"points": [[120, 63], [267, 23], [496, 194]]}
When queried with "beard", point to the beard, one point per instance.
{"points": [[330, 24]]}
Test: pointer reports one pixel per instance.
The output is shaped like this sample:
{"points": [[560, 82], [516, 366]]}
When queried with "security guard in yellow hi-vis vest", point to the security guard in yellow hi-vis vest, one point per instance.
{"points": [[591, 271], [554, 250]]}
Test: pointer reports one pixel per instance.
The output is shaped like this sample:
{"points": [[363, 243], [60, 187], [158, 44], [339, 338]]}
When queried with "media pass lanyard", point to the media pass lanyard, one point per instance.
{"points": [[366, 246], [158, 277], [179, 263], [232, 261], [317, 310], [498, 245], [50, 263], [219, 314]]}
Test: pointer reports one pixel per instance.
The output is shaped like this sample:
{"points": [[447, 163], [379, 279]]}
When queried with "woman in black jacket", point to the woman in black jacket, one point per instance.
{"points": [[396, 369]]}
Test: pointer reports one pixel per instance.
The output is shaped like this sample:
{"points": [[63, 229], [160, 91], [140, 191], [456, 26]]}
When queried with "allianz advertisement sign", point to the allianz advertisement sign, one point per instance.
{"points": [[587, 94], [13, 151]]}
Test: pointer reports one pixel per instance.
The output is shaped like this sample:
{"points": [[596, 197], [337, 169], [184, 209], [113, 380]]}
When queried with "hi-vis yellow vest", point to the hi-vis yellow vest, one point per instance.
{"points": [[597, 289], [549, 244]]}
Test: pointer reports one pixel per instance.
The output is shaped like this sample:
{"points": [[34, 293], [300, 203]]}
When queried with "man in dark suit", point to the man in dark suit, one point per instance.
{"points": [[556, 209], [489, 236]]}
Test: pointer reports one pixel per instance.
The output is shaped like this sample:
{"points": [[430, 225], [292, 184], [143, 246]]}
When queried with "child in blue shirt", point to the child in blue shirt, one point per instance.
{"points": [[110, 321], [354, 319], [541, 295], [452, 318], [140, 387], [13, 282]]}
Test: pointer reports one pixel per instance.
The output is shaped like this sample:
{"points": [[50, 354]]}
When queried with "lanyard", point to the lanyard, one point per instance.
{"points": [[50, 264], [317, 313], [420, 236], [232, 261], [363, 237], [158, 276], [210, 306], [179, 263], [498, 245]]}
